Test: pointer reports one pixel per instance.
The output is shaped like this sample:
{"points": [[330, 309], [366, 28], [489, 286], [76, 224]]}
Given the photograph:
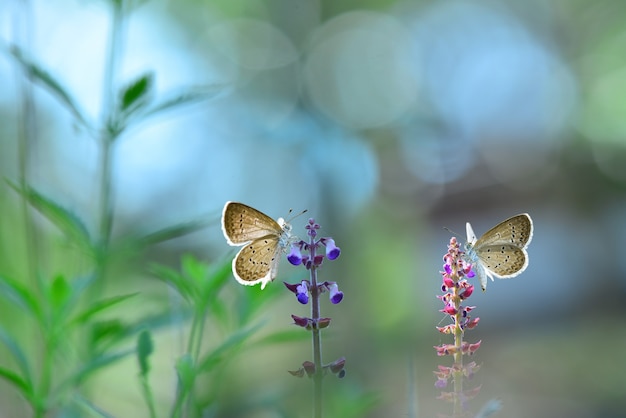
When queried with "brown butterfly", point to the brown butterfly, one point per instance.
{"points": [[501, 251], [263, 240]]}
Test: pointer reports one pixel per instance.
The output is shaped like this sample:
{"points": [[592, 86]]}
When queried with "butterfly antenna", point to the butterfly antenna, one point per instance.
{"points": [[451, 231], [295, 216]]}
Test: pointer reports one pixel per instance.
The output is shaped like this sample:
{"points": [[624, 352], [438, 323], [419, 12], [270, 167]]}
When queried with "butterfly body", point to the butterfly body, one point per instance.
{"points": [[263, 240], [501, 251]]}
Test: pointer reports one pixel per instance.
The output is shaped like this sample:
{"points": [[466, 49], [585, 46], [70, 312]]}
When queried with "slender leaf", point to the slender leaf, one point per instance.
{"points": [[96, 364], [105, 334], [86, 405], [232, 342], [219, 275], [173, 278], [20, 295], [136, 94], [171, 232], [186, 372], [60, 293], [100, 306], [66, 221], [17, 381], [19, 356], [39, 74], [186, 98], [145, 348]]}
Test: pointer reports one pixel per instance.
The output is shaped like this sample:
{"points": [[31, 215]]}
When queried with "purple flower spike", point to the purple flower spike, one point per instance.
{"points": [[336, 295], [302, 292], [295, 256], [332, 251]]}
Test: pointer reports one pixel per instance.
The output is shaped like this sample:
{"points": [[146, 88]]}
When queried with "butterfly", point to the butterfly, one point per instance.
{"points": [[263, 240], [501, 251]]}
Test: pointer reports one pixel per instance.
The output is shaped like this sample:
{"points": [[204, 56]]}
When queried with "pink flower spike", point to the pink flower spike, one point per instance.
{"points": [[448, 282], [474, 347], [472, 323], [467, 292], [450, 309]]}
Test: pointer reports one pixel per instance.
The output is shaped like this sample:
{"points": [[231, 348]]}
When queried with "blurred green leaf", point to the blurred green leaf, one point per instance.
{"points": [[252, 299], [231, 343], [171, 232], [186, 372], [17, 381], [40, 75], [131, 246], [95, 364], [65, 220], [20, 295], [144, 350], [101, 305], [217, 276], [106, 333], [186, 288], [19, 356], [192, 96], [86, 406], [60, 293], [137, 93]]}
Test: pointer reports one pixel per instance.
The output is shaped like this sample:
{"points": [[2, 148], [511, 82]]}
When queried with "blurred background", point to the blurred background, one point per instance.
{"points": [[388, 120]]}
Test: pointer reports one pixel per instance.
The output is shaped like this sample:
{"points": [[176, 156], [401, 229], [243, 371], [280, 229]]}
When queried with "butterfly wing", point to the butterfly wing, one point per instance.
{"points": [[242, 224], [503, 261], [517, 231], [471, 236], [257, 262], [501, 251]]}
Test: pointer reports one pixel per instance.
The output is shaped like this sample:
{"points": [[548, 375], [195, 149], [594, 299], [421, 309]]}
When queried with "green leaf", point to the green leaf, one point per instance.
{"points": [[106, 333], [17, 381], [94, 365], [171, 232], [144, 349], [231, 343], [136, 94], [88, 407], [186, 372], [19, 356], [38, 74], [65, 220], [60, 293], [173, 278], [186, 98], [218, 276], [100, 306], [20, 295]]}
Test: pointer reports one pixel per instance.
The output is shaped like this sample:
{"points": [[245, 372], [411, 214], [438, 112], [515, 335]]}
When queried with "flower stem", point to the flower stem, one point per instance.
{"points": [[457, 375], [317, 343]]}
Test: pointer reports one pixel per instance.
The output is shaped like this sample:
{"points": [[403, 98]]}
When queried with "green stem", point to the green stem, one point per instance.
{"points": [[148, 396], [108, 136], [27, 136], [458, 355], [317, 340]]}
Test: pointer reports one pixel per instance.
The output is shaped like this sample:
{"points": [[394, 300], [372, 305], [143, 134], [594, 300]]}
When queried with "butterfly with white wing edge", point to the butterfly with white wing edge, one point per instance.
{"points": [[263, 240], [501, 251]]}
